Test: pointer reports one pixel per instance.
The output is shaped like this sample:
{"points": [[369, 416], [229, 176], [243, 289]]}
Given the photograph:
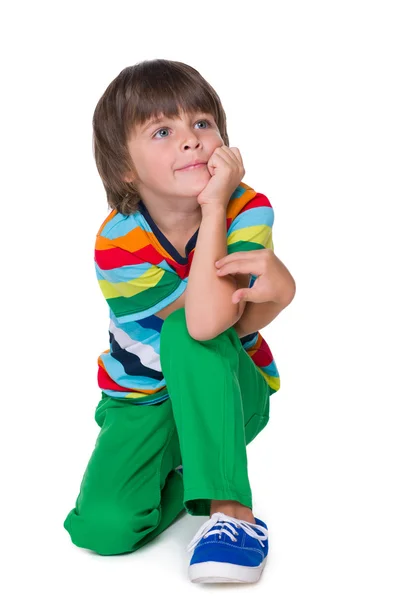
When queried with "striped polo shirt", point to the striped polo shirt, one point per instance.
{"points": [[140, 272]]}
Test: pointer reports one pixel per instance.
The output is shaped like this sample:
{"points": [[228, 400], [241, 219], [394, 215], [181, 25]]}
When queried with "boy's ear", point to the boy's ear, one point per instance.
{"points": [[129, 178]]}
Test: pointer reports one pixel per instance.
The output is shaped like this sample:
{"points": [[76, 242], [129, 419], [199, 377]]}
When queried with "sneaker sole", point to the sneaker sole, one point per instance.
{"points": [[218, 572]]}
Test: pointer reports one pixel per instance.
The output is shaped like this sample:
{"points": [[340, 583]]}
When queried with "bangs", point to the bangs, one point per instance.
{"points": [[165, 93]]}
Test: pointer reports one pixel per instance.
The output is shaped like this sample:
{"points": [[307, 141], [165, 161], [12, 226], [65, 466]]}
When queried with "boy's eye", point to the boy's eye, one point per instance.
{"points": [[166, 128]]}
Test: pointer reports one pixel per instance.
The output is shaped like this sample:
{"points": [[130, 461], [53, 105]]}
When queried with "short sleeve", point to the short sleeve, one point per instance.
{"points": [[251, 229], [132, 284]]}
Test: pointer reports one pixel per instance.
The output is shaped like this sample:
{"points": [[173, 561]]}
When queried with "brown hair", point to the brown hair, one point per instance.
{"points": [[138, 93]]}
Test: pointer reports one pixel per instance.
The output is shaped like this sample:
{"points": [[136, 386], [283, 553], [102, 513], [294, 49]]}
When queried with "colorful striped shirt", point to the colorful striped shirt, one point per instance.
{"points": [[140, 272]]}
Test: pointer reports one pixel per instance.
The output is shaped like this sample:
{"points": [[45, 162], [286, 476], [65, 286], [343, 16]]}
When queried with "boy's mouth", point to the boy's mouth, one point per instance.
{"points": [[193, 167]]}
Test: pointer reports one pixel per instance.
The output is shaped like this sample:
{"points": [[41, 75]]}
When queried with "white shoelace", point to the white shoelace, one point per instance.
{"points": [[204, 531]]}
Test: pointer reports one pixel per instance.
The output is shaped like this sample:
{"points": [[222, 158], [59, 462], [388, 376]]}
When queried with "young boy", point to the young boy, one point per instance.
{"points": [[187, 378]]}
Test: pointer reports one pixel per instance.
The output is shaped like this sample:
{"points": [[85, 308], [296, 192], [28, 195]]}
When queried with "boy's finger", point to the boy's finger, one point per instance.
{"points": [[244, 266], [243, 294], [234, 256]]}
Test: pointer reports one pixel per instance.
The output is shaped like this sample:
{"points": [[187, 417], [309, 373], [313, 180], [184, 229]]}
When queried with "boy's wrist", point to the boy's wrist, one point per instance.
{"points": [[212, 209]]}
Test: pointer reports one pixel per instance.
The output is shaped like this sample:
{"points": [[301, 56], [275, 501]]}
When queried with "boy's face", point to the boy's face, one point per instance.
{"points": [[159, 150]]}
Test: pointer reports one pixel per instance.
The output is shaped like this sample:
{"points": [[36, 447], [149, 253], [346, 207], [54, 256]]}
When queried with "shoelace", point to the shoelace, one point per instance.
{"points": [[204, 531]]}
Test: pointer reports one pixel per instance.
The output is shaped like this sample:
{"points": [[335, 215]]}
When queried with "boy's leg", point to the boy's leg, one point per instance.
{"points": [[130, 491], [220, 403]]}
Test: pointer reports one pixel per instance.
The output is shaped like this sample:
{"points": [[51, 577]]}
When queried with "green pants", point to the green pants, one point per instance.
{"points": [[218, 402]]}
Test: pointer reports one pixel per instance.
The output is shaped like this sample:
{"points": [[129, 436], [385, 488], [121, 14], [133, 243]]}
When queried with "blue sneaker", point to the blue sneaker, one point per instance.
{"points": [[179, 470], [228, 550]]}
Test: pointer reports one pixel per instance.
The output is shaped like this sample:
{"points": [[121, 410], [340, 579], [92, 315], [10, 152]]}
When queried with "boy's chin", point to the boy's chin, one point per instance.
{"points": [[192, 189]]}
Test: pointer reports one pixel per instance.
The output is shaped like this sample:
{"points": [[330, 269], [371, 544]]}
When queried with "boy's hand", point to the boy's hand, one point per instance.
{"points": [[226, 169], [274, 282]]}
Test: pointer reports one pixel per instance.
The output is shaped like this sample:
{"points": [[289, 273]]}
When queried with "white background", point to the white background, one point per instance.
{"points": [[311, 92]]}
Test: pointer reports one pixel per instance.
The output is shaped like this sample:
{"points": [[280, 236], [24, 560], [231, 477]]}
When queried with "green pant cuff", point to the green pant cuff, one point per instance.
{"points": [[197, 502]]}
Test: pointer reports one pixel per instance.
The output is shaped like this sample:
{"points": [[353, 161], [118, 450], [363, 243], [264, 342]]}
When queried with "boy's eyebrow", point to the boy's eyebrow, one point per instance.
{"points": [[155, 121], [152, 122]]}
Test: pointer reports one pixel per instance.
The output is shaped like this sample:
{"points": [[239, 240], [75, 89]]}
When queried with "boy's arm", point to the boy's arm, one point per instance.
{"points": [[256, 316], [208, 304]]}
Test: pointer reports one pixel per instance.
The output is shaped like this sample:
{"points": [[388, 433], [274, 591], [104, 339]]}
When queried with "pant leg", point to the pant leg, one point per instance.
{"points": [[130, 491], [220, 402]]}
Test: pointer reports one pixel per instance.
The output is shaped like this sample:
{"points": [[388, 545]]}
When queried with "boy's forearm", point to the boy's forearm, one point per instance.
{"points": [[208, 305], [256, 316]]}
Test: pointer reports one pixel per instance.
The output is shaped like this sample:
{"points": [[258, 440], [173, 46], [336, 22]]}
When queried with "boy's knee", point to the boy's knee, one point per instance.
{"points": [[175, 320], [106, 530]]}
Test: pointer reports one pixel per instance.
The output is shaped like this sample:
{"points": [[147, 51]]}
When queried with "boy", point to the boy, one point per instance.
{"points": [[187, 378]]}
